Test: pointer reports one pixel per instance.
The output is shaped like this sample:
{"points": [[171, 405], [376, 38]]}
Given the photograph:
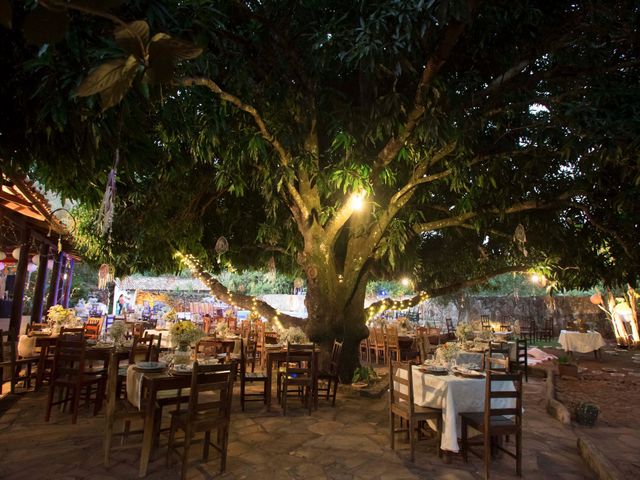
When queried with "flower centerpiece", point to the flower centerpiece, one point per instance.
{"points": [[60, 317], [403, 323], [169, 317], [448, 351], [117, 332], [222, 329], [184, 334], [464, 332]]}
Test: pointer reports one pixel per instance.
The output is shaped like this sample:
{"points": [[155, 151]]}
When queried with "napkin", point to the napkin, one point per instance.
{"points": [[134, 386], [27, 346]]}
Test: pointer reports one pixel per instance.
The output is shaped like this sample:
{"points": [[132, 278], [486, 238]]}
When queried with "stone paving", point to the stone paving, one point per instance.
{"points": [[349, 441]]}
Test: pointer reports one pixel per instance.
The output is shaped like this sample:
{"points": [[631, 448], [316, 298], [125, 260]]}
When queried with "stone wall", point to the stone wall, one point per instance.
{"points": [[560, 309]]}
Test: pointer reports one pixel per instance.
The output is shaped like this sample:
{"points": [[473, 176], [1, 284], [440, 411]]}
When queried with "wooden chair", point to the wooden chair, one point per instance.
{"points": [[546, 332], [92, 328], [10, 359], [69, 375], [145, 349], [118, 410], [208, 346], [393, 345], [521, 362], [300, 373], [247, 356], [451, 331], [378, 345], [332, 374], [72, 332], [498, 357], [36, 327], [365, 352], [495, 422], [401, 404], [486, 323], [505, 324], [209, 409], [424, 346], [528, 330]]}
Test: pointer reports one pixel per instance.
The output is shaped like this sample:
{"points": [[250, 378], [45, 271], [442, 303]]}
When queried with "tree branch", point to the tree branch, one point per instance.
{"points": [[283, 155], [245, 301], [463, 218]]}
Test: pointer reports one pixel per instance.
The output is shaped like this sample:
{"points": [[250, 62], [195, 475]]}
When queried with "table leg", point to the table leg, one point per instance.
{"points": [[147, 436], [268, 387], [41, 365]]}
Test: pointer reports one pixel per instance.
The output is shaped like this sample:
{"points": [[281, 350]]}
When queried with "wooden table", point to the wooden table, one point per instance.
{"points": [[280, 355]]}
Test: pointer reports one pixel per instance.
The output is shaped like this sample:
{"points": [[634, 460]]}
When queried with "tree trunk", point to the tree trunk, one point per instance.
{"points": [[336, 312]]}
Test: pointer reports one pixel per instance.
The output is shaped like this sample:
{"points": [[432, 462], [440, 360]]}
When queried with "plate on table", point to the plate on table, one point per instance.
{"points": [[434, 370], [103, 345], [150, 367], [182, 369], [467, 373]]}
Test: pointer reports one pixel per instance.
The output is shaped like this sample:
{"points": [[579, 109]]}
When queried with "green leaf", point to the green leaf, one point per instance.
{"points": [[102, 77], [5, 13], [116, 92], [133, 37], [45, 26]]}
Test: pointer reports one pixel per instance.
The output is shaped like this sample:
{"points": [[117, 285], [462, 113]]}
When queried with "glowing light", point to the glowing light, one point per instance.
{"points": [[405, 282], [357, 201], [535, 278]]}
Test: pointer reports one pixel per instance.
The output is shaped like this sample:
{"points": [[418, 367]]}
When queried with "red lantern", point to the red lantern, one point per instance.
{"points": [[596, 298]]}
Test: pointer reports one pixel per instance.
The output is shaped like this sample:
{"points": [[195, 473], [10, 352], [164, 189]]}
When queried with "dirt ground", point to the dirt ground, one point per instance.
{"points": [[613, 384]]}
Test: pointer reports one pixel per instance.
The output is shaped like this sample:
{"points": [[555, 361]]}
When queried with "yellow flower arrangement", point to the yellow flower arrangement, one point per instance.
{"points": [[185, 333]]}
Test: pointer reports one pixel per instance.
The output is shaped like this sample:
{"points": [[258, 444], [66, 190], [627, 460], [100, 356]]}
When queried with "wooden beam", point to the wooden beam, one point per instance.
{"points": [[41, 281], [18, 287]]}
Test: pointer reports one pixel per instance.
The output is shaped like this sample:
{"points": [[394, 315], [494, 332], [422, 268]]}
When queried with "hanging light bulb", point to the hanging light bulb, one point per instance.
{"points": [[16, 253], [35, 259], [31, 267], [2, 256]]}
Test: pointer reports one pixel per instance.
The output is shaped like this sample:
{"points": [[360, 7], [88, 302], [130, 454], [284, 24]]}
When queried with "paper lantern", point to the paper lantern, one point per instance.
{"points": [[2, 256], [35, 259], [31, 267], [16, 253], [596, 298], [50, 264], [1, 265]]}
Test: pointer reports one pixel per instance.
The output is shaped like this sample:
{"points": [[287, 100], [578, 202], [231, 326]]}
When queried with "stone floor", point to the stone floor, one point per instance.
{"points": [[349, 441]]}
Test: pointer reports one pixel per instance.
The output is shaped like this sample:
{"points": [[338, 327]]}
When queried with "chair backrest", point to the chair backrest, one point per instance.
{"points": [[378, 335], [498, 357], [424, 345], [216, 379], [92, 328], [145, 349], [401, 386], [245, 328], [486, 323], [521, 350], [36, 327], [69, 359], [449, 323], [300, 361], [392, 337], [492, 392], [208, 346], [8, 350], [75, 332], [334, 361]]}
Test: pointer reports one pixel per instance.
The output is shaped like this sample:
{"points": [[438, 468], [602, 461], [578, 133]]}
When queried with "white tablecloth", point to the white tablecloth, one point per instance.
{"points": [[580, 342], [454, 395]]}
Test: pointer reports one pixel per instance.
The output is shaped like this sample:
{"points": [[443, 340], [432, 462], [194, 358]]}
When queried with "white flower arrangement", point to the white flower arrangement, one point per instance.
{"points": [[60, 316], [293, 335], [448, 351], [222, 329], [170, 316], [118, 331], [464, 331]]}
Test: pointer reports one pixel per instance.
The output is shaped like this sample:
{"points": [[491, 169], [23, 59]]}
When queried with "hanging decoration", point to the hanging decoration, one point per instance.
{"points": [[105, 276], [31, 267], [2, 256], [222, 247], [520, 238], [16, 253], [35, 259], [105, 214], [1, 266]]}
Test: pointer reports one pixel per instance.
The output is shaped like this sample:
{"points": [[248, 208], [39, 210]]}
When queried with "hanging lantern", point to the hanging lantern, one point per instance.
{"points": [[222, 247], [520, 237], [35, 259], [1, 265], [16, 253], [32, 267], [105, 276], [50, 264], [596, 298], [105, 214], [2, 256]]}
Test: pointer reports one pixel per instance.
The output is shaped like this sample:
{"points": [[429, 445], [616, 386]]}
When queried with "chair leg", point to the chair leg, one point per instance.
{"points": [[108, 437], [412, 439], [519, 453], [185, 453], [224, 446], [242, 388], [439, 435], [207, 442], [172, 436], [392, 421], [47, 415], [75, 404], [335, 392], [487, 453], [465, 441]]}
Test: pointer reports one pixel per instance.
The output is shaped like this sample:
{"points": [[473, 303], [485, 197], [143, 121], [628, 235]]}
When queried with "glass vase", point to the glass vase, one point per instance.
{"points": [[182, 355]]}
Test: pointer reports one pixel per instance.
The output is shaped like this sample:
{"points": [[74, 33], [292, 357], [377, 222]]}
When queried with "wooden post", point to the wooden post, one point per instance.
{"points": [[58, 267], [18, 287], [67, 284], [41, 281]]}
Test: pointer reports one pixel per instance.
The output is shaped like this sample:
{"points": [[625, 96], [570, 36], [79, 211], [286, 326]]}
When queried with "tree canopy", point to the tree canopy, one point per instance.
{"points": [[464, 126]]}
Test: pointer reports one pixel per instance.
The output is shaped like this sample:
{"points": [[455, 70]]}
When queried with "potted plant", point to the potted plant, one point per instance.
{"points": [[363, 377], [566, 367], [586, 413]]}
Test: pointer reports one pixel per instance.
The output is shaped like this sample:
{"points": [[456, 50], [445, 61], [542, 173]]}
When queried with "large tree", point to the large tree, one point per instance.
{"points": [[344, 139]]}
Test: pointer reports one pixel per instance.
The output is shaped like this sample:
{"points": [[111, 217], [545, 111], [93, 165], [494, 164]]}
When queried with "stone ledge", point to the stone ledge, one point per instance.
{"points": [[596, 461]]}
